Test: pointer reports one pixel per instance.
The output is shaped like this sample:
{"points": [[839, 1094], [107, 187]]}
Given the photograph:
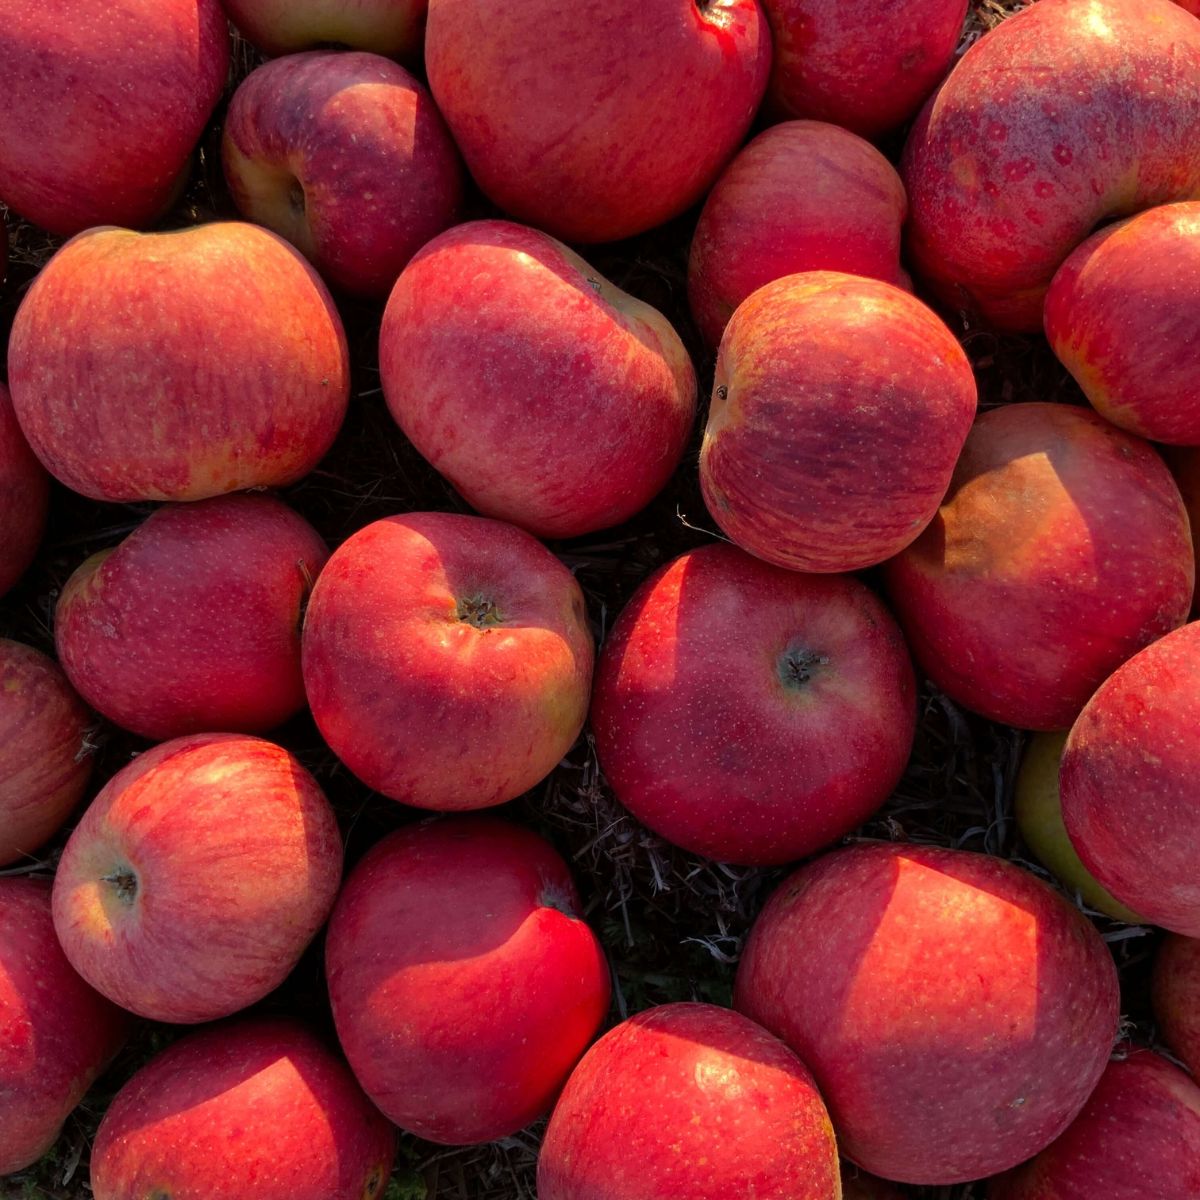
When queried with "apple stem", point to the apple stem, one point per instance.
{"points": [[125, 882]]}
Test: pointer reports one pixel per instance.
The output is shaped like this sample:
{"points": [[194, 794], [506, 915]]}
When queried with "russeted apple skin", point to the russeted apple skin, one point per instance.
{"points": [[56, 1034], [1063, 117], [106, 100], [1060, 550], [689, 1100], [391, 27], [24, 495], [955, 1011], [179, 365], [257, 1109], [1176, 996]]}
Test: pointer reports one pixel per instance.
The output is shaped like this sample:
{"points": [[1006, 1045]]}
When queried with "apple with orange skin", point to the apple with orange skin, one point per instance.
{"points": [[177, 366], [197, 877], [1176, 995], [391, 27], [347, 157], [105, 101], [24, 498]]}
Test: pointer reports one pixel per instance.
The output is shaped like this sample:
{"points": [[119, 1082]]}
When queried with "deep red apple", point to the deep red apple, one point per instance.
{"points": [[1176, 990], [751, 714], [391, 27], [689, 1100], [955, 1011], [193, 622], [197, 877], [254, 1110], [1184, 462], [176, 366], [465, 983], [24, 496]]}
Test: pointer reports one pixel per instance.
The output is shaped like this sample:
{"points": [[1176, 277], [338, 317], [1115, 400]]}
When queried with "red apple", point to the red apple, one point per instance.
{"points": [[803, 196], [391, 27], [1184, 462], [1063, 117], [1192, 6], [45, 760], [1128, 782], [546, 395], [750, 714], [1061, 549], [595, 122], [24, 496], [447, 659], [176, 366], [193, 622], [197, 877], [346, 156], [256, 1110], [840, 406], [465, 983], [858, 1185], [689, 1100], [1138, 1138], [56, 1034], [1176, 991], [955, 1011], [104, 102]]}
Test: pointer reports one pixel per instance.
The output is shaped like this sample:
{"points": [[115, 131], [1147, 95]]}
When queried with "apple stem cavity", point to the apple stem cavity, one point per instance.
{"points": [[296, 197], [124, 882], [479, 611], [799, 667]]}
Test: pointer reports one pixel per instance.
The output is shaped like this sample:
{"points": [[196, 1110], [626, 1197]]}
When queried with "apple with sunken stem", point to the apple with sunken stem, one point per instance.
{"points": [[192, 623], [751, 714], [180, 365], [104, 102], [1176, 997], [1184, 462], [595, 122], [465, 983], [392, 27], [347, 157], [197, 877], [547, 396], [252, 1109], [802, 196], [24, 498], [840, 406], [689, 1100], [56, 1034]]}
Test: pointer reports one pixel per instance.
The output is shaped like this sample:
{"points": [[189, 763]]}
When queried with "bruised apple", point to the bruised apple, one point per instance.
{"points": [[1176, 996], [24, 497]]}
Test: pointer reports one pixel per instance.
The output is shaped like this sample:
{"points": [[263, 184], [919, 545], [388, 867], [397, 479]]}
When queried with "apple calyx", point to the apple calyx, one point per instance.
{"points": [[124, 882], [800, 666], [480, 611]]}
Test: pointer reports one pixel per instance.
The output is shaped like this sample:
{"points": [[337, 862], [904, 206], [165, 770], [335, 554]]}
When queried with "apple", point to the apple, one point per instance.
{"points": [[177, 366], [447, 659], [347, 157], [192, 623], [867, 66], [1063, 117], [1137, 1137], [1128, 782], [597, 122], [751, 714], [1061, 549], [56, 1034], [1176, 995], [955, 1011], [464, 981], [840, 405], [689, 1100], [858, 1185], [197, 877], [24, 496], [802, 196], [391, 27], [1184, 462], [104, 102], [251, 1110], [546, 395], [45, 759]]}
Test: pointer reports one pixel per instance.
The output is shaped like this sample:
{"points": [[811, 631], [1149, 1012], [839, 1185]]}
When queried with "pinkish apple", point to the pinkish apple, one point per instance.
{"points": [[1176, 993], [391, 27], [24, 497]]}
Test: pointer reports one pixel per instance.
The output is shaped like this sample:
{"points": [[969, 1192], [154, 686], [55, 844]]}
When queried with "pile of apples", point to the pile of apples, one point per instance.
{"points": [[919, 1014]]}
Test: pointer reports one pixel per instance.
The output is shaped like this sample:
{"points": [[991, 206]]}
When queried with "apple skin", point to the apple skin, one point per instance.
{"points": [[858, 1185], [394, 28], [544, 394], [1061, 118], [447, 659], [106, 100], [117, 382], [45, 761], [197, 877], [464, 981], [955, 1011], [56, 1034], [567, 123], [192, 623], [250, 1110], [1061, 549], [751, 714], [24, 497], [1175, 990], [689, 1100], [1128, 782], [346, 156], [867, 66], [1138, 1136], [840, 405], [802, 196]]}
